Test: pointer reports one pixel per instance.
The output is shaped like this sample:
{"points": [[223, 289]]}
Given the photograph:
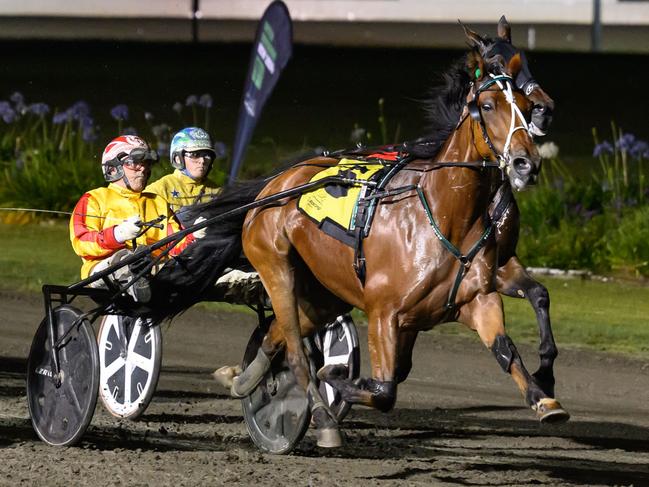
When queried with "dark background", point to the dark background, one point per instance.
{"points": [[321, 94]]}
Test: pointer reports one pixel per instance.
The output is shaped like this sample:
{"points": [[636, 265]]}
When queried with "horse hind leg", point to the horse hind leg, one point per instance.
{"points": [[278, 275], [484, 314], [514, 281]]}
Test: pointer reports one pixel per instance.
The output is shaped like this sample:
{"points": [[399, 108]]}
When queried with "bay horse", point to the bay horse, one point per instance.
{"points": [[416, 276], [513, 280]]}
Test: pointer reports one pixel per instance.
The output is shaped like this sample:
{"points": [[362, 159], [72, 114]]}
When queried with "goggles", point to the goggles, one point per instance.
{"points": [[208, 155], [136, 159]]}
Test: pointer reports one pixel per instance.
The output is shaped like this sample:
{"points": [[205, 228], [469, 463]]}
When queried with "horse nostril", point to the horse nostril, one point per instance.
{"points": [[522, 166]]}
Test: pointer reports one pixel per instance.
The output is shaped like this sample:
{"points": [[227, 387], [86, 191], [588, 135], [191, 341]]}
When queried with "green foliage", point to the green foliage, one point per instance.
{"points": [[48, 162], [596, 223]]}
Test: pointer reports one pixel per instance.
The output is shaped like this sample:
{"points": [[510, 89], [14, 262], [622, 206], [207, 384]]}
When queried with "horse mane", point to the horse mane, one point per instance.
{"points": [[444, 104]]}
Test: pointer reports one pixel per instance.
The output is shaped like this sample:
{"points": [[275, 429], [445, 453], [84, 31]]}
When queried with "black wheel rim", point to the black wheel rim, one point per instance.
{"points": [[60, 415], [277, 412]]}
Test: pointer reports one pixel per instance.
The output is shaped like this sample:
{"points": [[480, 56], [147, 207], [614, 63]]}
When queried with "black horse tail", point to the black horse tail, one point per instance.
{"points": [[185, 279]]}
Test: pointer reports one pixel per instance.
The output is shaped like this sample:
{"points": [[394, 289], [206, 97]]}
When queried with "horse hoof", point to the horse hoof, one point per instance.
{"points": [[329, 438], [549, 411], [239, 391], [224, 375], [249, 379]]}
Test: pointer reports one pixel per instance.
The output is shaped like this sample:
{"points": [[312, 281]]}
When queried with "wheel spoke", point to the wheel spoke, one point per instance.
{"points": [[109, 370], [73, 395], [135, 334], [137, 360]]}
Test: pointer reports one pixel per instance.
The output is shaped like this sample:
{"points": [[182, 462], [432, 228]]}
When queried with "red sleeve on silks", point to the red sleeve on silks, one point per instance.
{"points": [[89, 239], [184, 243]]}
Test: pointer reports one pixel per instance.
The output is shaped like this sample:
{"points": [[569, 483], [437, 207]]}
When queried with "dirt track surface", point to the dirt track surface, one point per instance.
{"points": [[459, 420]]}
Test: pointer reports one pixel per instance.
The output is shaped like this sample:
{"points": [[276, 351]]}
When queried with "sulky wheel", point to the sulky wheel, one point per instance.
{"points": [[130, 353], [277, 412], [62, 406], [337, 343]]}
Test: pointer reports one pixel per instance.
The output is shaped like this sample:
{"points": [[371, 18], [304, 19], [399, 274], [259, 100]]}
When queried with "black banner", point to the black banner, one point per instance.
{"points": [[270, 53]]}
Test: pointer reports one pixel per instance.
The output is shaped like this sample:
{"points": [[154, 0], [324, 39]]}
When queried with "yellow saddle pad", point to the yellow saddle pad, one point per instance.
{"points": [[333, 207]]}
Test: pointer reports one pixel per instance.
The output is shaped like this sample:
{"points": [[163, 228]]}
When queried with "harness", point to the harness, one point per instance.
{"points": [[497, 209]]}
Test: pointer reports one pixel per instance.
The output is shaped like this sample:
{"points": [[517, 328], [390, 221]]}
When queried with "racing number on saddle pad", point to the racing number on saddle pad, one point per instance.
{"points": [[333, 207]]}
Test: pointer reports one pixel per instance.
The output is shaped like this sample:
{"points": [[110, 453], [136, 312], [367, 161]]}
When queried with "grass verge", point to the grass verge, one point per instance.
{"points": [[593, 314]]}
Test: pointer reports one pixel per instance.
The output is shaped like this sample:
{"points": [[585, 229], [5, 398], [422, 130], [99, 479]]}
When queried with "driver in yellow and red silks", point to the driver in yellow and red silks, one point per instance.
{"points": [[106, 220]]}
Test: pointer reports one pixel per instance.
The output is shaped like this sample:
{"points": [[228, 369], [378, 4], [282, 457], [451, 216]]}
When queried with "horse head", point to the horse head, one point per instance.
{"points": [[498, 113], [502, 47]]}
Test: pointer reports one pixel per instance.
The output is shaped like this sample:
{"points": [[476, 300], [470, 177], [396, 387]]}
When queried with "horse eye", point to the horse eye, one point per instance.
{"points": [[487, 107]]}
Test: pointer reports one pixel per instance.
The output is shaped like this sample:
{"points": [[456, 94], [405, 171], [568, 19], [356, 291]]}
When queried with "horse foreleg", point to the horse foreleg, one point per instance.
{"points": [[514, 281], [380, 391], [485, 315]]}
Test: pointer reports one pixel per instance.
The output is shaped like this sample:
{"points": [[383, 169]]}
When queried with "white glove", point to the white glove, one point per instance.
{"points": [[203, 231], [128, 230]]}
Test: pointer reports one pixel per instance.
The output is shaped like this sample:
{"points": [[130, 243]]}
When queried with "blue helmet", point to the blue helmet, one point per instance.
{"points": [[188, 140]]}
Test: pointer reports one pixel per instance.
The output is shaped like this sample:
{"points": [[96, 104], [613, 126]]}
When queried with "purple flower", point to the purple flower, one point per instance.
{"points": [[639, 149], [61, 117], [86, 121], [119, 112], [79, 110], [625, 142], [205, 100], [148, 116], [603, 148], [178, 107], [129, 131], [88, 133], [39, 109], [87, 125], [17, 98], [7, 113], [191, 100], [19, 102]]}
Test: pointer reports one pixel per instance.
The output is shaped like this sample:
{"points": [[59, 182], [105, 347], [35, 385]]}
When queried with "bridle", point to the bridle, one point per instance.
{"points": [[505, 84]]}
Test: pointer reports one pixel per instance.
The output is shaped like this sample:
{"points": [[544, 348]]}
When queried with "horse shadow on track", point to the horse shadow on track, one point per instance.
{"points": [[460, 446]]}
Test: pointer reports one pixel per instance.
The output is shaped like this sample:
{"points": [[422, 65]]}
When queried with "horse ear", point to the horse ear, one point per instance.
{"points": [[514, 65], [474, 39], [476, 65], [504, 30]]}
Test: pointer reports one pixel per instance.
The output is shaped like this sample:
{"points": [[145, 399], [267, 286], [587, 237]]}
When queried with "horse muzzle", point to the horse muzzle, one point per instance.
{"points": [[523, 171]]}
